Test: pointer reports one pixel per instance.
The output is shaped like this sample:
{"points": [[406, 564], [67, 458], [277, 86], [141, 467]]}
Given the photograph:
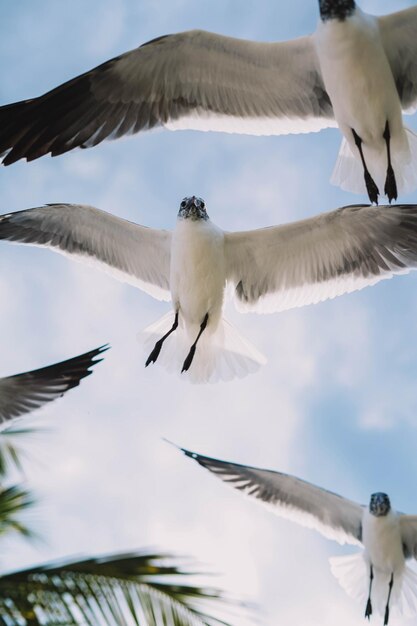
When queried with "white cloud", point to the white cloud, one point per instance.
{"points": [[106, 479]]}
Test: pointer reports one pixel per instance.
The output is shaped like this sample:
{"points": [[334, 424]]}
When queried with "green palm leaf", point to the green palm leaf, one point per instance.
{"points": [[14, 500], [9, 451], [118, 590]]}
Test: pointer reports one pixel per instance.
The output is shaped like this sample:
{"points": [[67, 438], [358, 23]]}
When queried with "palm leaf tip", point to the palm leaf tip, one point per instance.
{"points": [[138, 589], [14, 501]]}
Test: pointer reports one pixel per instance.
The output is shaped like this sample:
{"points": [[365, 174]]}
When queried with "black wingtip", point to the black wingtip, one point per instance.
{"points": [[171, 443], [92, 358], [73, 370], [192, 455], [99, 351], [93, 355]]}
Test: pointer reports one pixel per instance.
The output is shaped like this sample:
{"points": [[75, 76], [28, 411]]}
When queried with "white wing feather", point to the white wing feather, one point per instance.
{"points": [[194, 79], [399, 38], [408, 525], [134, 254], [278, 268], [333, 516]]}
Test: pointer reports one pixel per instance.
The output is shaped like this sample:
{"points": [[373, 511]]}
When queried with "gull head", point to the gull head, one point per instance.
{"points": [[193, 208], [336, 9], [379, 504]]}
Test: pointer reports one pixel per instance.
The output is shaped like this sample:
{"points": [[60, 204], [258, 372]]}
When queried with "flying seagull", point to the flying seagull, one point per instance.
{"points": [[270, 269], [26, 392], [378, 575], [356, 71]]}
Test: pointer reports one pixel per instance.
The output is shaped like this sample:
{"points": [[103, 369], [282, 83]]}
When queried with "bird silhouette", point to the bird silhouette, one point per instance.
{"points": [[356, 71], [268, 270]]}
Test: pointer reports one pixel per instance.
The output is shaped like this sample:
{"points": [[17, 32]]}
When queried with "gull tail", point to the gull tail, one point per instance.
{"points": [[348, 171], [220, 356], [352, 573]]}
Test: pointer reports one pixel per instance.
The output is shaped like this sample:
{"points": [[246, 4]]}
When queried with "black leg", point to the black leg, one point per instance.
{"points": [[191, 353], [368, 610], [372, 189], [157, 349], [386, 618], [390, 188]]}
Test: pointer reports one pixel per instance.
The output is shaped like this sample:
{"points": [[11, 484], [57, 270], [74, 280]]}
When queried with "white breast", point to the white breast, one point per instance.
{"points": [[357, 76], [197, 271], [381, 538]]}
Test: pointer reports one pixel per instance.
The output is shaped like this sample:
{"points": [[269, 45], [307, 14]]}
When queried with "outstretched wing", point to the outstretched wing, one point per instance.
{"points": [[26, 392], [399, 38], [278, 268], [134, 254], [408, 525], [333, 516], [194, 79]]}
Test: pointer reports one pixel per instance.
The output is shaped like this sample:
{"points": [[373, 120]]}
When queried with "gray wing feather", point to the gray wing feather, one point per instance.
{"points": [[333, 516], [277, 268], [26, 392], [399, 38], [193, 79], [134, 254]]}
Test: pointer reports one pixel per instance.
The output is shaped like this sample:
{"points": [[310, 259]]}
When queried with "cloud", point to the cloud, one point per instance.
{"points": [[339, 375]]}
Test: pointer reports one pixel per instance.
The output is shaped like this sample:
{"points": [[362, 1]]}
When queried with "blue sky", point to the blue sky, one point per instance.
{"points": [[336, 403]]}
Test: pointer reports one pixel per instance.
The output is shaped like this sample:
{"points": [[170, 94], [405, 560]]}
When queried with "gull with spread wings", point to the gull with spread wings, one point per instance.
{"points": [[357, 72], [269, 270], [23, 393], [378, 575]]}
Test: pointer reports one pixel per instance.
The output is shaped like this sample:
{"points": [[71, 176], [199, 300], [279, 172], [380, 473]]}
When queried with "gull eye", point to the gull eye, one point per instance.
{"points": [[183, 204], [203, 204]]}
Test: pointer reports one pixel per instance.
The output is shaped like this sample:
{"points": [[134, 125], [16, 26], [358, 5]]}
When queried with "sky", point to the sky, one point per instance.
{"points": [[336, 402]]}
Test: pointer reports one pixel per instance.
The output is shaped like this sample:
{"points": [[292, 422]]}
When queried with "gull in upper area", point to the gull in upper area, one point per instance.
{"points": [[269, 270], [377, 576], [23, 393], [356, 71]]}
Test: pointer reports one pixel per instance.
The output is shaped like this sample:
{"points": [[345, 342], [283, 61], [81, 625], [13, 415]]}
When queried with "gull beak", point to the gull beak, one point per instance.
{"points": [[193, 203]]}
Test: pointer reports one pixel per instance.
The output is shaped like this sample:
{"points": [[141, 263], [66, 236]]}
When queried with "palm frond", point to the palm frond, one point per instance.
{"points": [[9, 451], [118, 590], [13, 501]]}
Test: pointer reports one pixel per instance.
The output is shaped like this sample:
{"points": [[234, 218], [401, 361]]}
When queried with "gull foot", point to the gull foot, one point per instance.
{"points": [[188, 360], [390, 188], [368, 610], [371, 188], [154, 354]]}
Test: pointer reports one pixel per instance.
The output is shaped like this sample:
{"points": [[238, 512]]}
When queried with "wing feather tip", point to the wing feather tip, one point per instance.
{"points": [[184, 450]]}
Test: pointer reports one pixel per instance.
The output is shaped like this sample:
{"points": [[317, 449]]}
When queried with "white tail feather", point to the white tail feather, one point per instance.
{"points": [[221, 355], [348, 170], [352, 573], [407, 602]]}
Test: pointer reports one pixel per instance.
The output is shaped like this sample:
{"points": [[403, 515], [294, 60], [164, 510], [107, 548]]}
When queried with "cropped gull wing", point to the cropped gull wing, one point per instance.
{"points": [[399, 38], [134, 254], [408, 525], [194, 79], [26, 392], [278, 268], [333, 516]]}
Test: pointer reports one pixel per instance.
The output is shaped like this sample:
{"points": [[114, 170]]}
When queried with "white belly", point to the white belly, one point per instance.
{"points": [[358, 78], [197, 272], [382, 541]]}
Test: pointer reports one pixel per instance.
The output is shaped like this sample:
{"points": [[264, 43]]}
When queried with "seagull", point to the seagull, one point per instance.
{"points": [[23, 393], [268, 270], [356, 71], [378, 575]]}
